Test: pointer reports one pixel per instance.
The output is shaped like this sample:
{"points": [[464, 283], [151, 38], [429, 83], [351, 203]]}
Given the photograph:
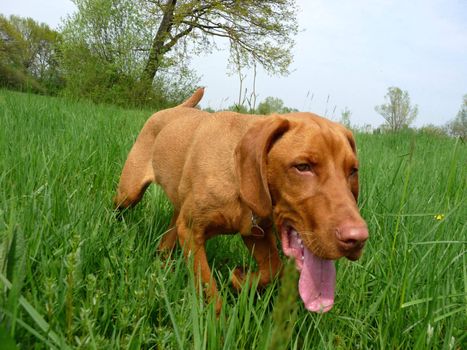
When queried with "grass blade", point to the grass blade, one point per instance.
{"points": [[37, 318]]}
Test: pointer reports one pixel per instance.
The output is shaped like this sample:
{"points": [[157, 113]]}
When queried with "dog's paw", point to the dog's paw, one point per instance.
{"points": [[218, 306], [238, 278]]}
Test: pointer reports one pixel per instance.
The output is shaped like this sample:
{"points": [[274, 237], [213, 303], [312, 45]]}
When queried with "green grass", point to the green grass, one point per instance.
{"points": [[72, 276]]}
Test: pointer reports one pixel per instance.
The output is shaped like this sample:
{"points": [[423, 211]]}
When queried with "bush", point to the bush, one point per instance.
{"points": [[433, 130], [13, 78], [104, 82], [272, 105], [240, 109]]}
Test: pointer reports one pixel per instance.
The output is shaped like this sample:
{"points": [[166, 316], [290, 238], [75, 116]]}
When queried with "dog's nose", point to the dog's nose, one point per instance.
{"points": [[351, 237]]}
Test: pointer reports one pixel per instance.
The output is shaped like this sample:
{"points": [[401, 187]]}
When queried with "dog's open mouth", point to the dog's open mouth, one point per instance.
{"points": [[317, 276]]}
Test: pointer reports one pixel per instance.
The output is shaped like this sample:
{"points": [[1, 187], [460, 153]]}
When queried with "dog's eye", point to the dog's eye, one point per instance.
{"points": [[353, 171], [304, 167]]}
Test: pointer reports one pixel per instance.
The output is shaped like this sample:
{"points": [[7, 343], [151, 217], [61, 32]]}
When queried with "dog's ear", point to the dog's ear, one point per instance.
{"points": [[354, 179], [250, 162]]}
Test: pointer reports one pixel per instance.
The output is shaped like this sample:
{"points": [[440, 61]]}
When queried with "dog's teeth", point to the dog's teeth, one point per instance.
{"points": [[299, 241], [303, 257]]}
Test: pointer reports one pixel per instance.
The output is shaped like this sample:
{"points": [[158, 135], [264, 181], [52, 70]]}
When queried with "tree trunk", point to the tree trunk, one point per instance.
{"points": [[157, 48]]}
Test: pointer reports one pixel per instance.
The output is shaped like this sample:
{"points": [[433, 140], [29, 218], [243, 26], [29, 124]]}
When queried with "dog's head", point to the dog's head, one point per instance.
{"points": [[303, 170]]}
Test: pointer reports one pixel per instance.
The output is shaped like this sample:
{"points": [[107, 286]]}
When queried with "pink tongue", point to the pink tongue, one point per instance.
{"points": [[317, 283]]}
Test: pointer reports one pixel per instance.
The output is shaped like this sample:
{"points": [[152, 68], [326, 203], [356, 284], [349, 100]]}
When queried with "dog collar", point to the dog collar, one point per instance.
{"points": [[256, 230]]}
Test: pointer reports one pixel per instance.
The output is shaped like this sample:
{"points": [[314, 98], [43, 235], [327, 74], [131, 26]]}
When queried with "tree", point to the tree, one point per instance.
{"points": [[40, 51], [142, 33], [28, 55], [272, 105], [261, 31], [104, 49], [11, 47], [398, 112], [458, 126]]}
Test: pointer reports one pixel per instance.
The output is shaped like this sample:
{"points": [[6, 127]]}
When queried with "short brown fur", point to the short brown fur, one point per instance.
{"points": [[221, 169]]}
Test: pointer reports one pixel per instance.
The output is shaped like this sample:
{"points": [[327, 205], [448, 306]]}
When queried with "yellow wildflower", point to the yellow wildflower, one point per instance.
{"points": [[439, 217]]}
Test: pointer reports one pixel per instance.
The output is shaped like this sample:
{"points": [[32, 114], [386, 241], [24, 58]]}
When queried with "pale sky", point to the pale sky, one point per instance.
{"points": [[347, 54]]}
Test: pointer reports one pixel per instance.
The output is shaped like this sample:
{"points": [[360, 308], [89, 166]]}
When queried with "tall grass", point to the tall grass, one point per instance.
{"points": [[73, 276]]}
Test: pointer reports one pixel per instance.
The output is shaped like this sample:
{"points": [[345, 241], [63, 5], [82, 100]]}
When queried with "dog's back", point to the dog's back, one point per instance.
{"points": [[137, 173], [197, 152]]}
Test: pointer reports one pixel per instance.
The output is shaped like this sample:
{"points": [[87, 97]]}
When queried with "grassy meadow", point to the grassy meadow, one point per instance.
{"points": [[73, 276]]}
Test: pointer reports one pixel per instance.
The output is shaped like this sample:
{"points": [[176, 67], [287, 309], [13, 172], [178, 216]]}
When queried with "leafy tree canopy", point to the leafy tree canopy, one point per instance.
{"points": [[145, 36], [28, 55], [272, 105]]}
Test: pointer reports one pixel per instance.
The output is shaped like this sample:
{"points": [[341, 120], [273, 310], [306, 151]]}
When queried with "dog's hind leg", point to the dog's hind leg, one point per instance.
{"points": [[137, 173]]}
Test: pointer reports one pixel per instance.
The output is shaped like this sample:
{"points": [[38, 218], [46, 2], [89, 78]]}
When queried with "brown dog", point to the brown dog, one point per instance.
{"points": [[227, 172]]}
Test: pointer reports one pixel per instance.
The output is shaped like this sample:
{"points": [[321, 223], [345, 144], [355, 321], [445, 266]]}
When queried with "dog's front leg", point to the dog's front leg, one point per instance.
{"points": [[264, 250], [193, 245], [169, 239]]}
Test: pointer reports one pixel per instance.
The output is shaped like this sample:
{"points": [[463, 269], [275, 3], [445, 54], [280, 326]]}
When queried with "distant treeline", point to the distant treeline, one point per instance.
{"points": [[136, 53], [38, 59], [35, 58], [117, 53], [29, 54]]}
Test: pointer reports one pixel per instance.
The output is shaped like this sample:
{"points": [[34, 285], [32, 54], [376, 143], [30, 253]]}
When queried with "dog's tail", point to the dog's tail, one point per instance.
{"points": [[194, 99]]}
